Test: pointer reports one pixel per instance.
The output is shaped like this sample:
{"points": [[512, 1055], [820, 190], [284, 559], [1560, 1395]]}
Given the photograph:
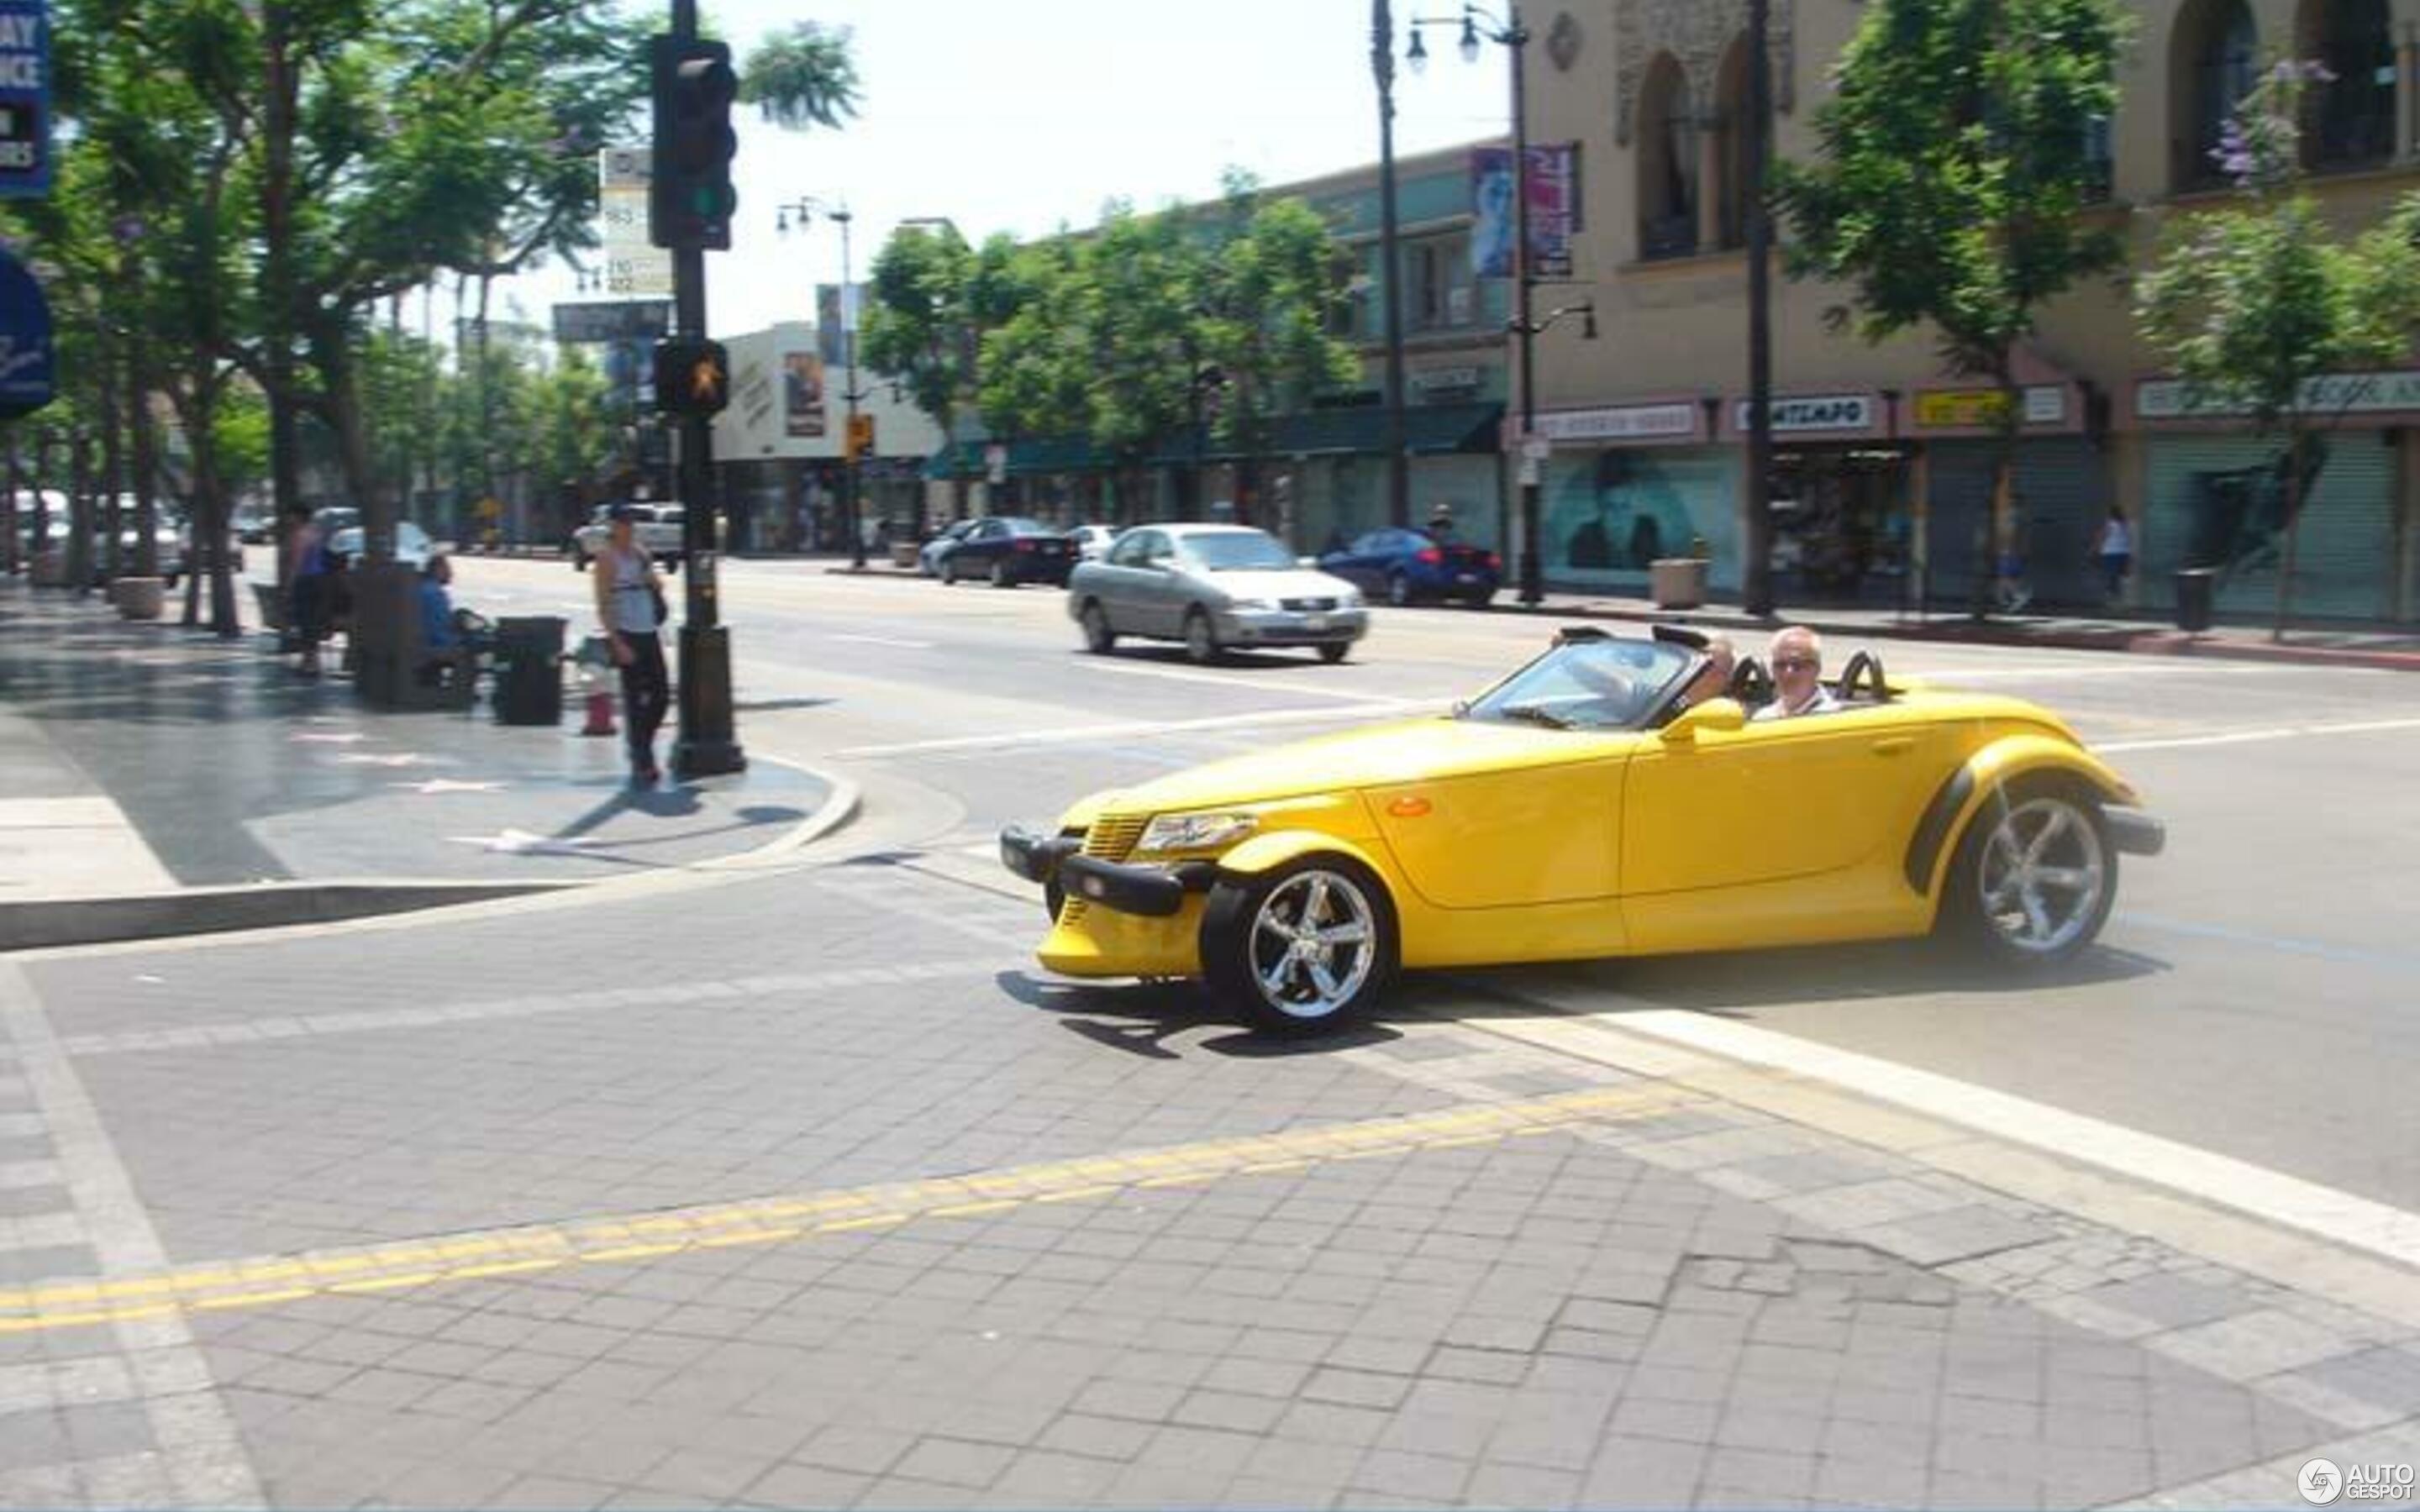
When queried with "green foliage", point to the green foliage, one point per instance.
{"points": [[802, 77], [2252, 303], [1954, 169]]}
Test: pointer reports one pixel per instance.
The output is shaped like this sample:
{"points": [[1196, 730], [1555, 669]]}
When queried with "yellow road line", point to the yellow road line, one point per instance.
{"points": [[635, 1238]]}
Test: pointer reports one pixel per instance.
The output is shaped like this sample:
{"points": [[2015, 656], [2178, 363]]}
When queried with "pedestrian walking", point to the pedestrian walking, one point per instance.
{"points": [[310, 586], [2116, 552], [631, 611]]}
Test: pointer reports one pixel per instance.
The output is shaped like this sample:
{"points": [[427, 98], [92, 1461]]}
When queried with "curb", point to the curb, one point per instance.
{"points": [[56, 922]]}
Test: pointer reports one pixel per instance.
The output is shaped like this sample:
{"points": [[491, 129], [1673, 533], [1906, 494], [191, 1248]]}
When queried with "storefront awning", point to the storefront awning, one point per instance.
{"points": [[1429, 430]]}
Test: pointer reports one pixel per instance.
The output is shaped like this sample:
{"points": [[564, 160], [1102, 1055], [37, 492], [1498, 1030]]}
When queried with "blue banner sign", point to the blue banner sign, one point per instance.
{"points": [[24, 99], [26, 363]]}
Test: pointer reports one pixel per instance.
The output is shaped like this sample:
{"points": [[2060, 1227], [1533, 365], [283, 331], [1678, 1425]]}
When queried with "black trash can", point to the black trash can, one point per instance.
{"points": [[529, 669], [2195, 589]]}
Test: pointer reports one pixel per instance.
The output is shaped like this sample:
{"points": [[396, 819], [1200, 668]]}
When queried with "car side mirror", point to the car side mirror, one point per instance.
{"points": [[1713, 716]]}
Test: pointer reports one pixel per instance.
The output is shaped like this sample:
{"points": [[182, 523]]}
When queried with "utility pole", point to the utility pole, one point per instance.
{"points": [[1756, 576], [1382, 67], [708, 743], [1534, 566], [848, 477]]}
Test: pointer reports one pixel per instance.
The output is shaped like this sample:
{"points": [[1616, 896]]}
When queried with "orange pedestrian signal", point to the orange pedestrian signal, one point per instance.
{"points": [[693, 378], [860, 436]]}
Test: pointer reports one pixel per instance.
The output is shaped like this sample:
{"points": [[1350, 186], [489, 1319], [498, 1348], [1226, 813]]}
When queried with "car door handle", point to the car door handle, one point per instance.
{"points": [[1895, 746]]}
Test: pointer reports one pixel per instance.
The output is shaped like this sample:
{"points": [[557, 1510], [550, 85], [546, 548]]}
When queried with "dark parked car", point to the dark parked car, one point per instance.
{"points": [[1410, 566], [1010, 551]]}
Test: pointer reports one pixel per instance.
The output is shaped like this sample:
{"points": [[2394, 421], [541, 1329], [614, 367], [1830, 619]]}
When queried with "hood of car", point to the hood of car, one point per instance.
{"points": [[1386, 755], [1286, 582]]}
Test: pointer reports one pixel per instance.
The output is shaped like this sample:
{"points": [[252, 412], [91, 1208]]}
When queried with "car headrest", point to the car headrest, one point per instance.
{"points": [[1681, 634]]}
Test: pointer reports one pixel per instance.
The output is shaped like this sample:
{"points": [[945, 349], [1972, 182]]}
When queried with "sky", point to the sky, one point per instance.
{"points": [[1021, 115]]}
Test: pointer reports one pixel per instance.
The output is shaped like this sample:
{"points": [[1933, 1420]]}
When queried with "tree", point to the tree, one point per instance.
{"points": [[803, 77], [1953, 175], [921, 326], [2258, 305]]}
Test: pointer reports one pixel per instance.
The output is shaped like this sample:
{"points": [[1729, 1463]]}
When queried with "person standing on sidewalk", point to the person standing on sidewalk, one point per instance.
{"points": [[2117, 553], [631, 610], [311, 586]]}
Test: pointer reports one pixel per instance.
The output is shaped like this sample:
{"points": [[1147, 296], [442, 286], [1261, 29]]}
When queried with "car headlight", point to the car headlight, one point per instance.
{"points": [[1193, 832], [1350, 598]]}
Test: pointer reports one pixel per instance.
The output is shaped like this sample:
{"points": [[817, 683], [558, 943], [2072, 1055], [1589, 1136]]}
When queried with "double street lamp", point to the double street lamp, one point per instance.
{"points": [[1476, 26], [806, 207]]}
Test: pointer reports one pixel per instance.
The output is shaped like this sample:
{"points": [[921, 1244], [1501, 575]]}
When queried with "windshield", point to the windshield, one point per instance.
{"points": [[1020, 525], [1588, 685], [1238, 551]]}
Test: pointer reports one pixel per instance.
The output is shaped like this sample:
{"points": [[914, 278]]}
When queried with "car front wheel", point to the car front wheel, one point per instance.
{"points": [[1304, 950], [1399, 589], [948, 572], [1099, 638], [1201, 638], [2035, 875], [999, 578], [1335, 652]]}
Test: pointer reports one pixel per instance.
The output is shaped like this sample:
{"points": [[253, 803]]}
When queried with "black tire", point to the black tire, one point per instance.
{"points": [[999, 578], [579, 560], [1232, 945], [1099, 638], [1335, 652], [168, 581], [1202, 645], [1399, 589], [950, 572], [1968, 921], [1479, 600]]}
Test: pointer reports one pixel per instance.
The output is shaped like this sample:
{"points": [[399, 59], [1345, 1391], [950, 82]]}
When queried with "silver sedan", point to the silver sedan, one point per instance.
{"points": [[1216, 588]]}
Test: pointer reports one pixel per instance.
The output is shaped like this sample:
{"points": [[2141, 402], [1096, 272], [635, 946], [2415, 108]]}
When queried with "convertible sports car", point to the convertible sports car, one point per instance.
{"points": [[1583, 808]]}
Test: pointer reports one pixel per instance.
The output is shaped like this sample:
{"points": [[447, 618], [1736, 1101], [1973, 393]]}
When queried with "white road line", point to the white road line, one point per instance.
{"points": [[885, 640], [1246, 680], [2222, 1181], [2239, 737], [1339, 714], [2138, 667]]}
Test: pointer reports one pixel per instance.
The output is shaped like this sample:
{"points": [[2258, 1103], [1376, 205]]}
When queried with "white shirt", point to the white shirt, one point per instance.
{"points": [[632, 607], [1823, 702], [2117, 539]]}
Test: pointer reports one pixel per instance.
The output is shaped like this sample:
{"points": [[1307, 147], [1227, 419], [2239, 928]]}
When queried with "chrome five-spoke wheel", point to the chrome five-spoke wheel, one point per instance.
{"points": [[1302, 948], [2041, 874]]}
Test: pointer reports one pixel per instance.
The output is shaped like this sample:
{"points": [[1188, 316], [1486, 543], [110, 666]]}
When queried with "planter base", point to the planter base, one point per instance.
{"points": [[139, 598], [1676, 582]]}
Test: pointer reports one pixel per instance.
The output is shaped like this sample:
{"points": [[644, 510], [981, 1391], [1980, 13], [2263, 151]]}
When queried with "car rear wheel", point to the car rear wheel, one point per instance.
{"points": [[999, 578], [2035, 875], [1099, 638], [1305, 949], [1201, 638], [579, 560], [948, 572], [1399, 589], [1335, 652]]}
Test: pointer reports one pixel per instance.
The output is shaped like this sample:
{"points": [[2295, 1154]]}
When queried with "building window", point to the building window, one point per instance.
{"points": [[2353, 110], [2215, 64], [1730, 129], [1668, 164], [1437, 273]]}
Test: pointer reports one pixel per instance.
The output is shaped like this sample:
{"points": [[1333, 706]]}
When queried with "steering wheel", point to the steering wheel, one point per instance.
{"points": [[1866, 668], [1751, 684]]}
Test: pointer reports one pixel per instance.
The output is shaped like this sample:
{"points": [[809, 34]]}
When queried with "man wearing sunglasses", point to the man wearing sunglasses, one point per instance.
{"points": [[1797, 661]]}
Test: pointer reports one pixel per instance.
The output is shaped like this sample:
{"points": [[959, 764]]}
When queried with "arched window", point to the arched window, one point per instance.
{"points": [[2215, 63], [1668, 164], [1730, 123], [2352, 109]]}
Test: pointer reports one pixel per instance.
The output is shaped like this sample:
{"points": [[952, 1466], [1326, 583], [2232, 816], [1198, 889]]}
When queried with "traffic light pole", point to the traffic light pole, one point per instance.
{"points": [[710, 741]]}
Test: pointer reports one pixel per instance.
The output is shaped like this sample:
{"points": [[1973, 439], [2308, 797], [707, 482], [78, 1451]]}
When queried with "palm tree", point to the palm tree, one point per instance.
{"points": [[803, 77]]}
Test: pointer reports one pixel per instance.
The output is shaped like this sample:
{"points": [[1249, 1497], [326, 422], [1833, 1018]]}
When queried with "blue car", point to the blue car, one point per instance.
{"points": [[1412, 566]]}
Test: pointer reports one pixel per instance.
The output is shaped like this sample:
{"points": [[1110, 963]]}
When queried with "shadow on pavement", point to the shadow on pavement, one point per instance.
{"points": [[1149, 1014]]}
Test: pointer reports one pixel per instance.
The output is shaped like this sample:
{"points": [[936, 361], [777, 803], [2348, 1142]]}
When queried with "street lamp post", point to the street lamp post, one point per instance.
{"points": [[805, 208], [1511, 33], [1382, 67]]}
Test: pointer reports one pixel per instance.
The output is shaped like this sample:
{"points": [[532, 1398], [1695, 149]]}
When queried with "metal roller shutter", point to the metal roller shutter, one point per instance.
{"points": [[2344, 557], [2063, 491]]}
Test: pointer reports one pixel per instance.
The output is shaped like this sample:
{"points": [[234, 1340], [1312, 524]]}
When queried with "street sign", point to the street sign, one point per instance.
{"points": [[614, 320], [995, 463], [1537, 449], [25, 100], [634, 264], [26, 359]]}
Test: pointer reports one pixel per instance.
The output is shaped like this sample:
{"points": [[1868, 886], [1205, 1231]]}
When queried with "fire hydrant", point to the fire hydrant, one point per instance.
{"points": [[591, 662]]}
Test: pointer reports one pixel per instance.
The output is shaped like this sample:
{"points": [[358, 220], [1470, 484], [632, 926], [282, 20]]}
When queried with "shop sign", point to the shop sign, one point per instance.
{"points": [[1629, 422], [1975, 409], [2352, 393], [1798, 417], [1434, 379]]}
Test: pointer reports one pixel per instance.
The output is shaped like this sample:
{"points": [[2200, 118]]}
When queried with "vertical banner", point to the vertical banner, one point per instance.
{"points": [[802, 393], [1554, 210], [634, 264], [828, 326], [25, 100]]}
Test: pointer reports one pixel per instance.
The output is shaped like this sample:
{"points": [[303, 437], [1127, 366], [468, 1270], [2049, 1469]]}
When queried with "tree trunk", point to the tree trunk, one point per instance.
{"points": [[113, 459], [80, 513], [43, 441], [9, 562], [2293, 534], [276, 204], [146, 480]]}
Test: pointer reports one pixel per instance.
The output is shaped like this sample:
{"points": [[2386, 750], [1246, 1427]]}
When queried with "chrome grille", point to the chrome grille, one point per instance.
{"points": [[1310, 606]]}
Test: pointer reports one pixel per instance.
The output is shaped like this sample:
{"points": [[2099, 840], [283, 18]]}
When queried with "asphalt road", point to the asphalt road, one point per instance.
{"points": [[2254, 996]]}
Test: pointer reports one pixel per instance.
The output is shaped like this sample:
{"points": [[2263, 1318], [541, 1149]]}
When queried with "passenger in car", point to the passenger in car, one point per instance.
{"points": [[1714, 680], [1797, 662]]}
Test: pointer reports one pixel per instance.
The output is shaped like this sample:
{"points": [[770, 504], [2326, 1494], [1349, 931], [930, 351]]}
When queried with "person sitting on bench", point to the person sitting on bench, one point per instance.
{"points": [[449, 637]]}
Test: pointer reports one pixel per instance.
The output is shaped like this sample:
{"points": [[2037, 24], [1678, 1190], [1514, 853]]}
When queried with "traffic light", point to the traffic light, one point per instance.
{"points": [[691, 199], [693, 378]]}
